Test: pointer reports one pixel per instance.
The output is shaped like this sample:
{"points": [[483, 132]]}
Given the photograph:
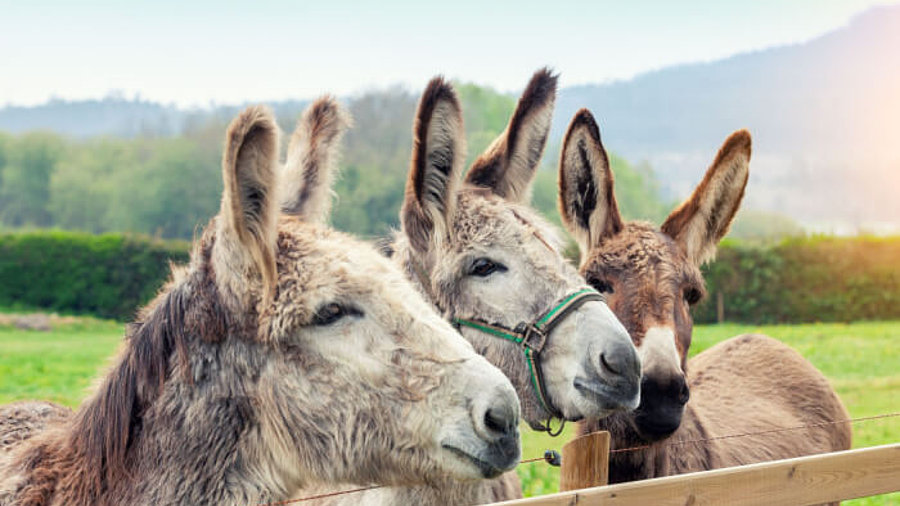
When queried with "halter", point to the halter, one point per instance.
{"points": [[532, 337]]}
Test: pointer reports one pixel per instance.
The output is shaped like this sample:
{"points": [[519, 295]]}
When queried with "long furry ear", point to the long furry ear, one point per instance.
{"points": [[703, 219], [508, 166], [312, 158], [437, 157], [249, 201], [587, 202]]}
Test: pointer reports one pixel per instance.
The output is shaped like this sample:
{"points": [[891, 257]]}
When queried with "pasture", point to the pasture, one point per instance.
{"points": [[862, 360]]}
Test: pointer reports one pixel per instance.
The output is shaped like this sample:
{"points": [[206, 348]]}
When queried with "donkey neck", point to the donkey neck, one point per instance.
{"points": [[171, 423], [202, 444], [200, 441]]}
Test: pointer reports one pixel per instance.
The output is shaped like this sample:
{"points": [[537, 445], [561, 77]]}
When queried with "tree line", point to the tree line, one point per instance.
{"points": [[167, 186]]}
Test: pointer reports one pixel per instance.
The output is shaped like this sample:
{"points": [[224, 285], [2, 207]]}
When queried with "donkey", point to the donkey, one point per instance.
{"points": [[651, 277], [284, 354], [493, 266], [490, 264]]}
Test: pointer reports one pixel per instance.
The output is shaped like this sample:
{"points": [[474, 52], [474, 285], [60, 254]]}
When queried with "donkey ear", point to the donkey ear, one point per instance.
{"points": [[437, 157], [508, 166], [311, 161], [703, 219], [249, 204], [587, 202]]}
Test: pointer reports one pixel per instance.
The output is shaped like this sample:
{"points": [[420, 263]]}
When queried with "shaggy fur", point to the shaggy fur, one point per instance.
{"points": [[229, 392], [746, 384], [21, 420]]}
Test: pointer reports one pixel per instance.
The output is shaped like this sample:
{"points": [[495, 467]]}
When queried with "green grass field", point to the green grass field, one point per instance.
{"points": [[862, 360]]}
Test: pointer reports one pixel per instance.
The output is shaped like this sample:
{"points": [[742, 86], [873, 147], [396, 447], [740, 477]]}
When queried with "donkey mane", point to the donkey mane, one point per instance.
{"points": [[82, 457]]}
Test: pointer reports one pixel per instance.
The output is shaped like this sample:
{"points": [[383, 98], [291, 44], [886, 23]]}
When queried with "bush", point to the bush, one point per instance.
{"points": [[109, 275], [797, 280], [805, 280]]}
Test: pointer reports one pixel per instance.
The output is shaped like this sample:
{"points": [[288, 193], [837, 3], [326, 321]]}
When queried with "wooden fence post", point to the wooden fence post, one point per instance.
{"points": [[720, 307], [585, 462]]}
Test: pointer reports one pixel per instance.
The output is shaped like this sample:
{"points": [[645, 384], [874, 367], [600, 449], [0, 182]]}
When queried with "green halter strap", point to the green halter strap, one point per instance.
{"points": [[533, 337]]}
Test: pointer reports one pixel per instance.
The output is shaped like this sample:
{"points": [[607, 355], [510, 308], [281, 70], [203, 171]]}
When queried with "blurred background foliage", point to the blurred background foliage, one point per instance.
{"points": [[164, 185]]}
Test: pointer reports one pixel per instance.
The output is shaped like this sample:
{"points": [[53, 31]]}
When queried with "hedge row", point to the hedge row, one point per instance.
{"points": [[805, 280], [799, 280], [107, 275]]}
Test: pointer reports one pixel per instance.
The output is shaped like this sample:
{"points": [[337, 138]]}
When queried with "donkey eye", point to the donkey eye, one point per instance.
{"points": [[692, 296], [484, 267], [601, 285], [330, 313]]}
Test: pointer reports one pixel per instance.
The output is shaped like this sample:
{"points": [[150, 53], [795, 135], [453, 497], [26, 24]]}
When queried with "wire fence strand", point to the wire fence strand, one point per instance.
{"points": [[629, 449], [759, 433]]}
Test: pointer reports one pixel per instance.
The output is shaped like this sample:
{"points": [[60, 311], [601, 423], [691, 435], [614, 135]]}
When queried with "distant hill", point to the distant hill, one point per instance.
{"points": [[118, 116], [825, 119], [113, 115], [824, 115]]}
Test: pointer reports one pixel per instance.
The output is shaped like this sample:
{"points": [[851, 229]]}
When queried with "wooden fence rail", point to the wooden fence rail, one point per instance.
{"points": [[805, 480]]}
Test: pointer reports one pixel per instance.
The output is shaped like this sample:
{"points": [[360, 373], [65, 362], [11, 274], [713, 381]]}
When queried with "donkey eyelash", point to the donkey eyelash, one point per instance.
{"points": [[692, 295], [331, 313], [484, 267], [601, 285]]}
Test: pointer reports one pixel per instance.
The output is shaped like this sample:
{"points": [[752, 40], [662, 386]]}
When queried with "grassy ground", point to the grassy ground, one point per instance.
{"points": [[862, 360], [58, 365]]}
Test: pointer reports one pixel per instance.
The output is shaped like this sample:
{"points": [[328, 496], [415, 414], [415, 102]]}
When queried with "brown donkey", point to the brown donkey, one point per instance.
{"points": [[284, 354], [488, 261], [651, 277]]}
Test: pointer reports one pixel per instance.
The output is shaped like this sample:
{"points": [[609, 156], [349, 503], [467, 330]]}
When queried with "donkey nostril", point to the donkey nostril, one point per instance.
{"points": [[684, 395], [607, 365], [498, 420]]}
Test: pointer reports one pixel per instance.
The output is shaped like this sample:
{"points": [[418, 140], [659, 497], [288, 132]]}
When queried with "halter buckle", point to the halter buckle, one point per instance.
{"points": [[533, 338]]}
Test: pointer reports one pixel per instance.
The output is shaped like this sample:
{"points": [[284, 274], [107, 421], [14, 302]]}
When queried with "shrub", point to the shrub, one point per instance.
{"points": [[805, 280], [797, 280], [108, 275]]}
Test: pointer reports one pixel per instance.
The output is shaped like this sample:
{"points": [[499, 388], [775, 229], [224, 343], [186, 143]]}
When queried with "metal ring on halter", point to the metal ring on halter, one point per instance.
{"points": [[546, 428]]}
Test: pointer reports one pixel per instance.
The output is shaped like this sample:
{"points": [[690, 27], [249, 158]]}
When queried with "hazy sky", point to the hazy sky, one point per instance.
{"points": [[195, 52]]}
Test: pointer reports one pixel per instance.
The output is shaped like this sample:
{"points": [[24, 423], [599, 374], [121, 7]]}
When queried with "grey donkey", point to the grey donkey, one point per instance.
{"points": [[284, 354]]}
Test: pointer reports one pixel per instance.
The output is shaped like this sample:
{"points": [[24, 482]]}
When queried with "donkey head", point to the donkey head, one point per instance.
{"points": [[359, 379], [651, 277], [492, 265]]}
